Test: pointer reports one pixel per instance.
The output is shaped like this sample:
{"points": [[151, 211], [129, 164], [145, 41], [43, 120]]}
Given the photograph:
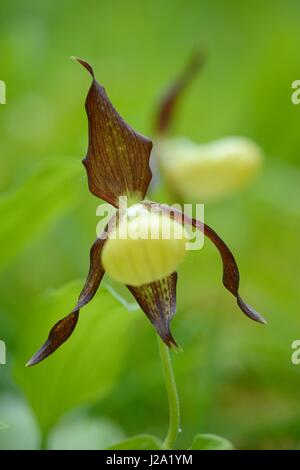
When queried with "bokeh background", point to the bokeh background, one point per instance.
{"points": [[235, 377]]}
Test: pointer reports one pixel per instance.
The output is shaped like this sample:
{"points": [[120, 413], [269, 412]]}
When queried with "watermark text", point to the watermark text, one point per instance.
{"points": [[295, 357], [2, 92], [295, 97], [147, 220], [2, 352]]}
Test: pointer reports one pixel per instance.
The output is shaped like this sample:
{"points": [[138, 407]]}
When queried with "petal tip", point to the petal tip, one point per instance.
{"points": [[249, 311], [167, 337], [30, 363], [41, 354], [177, 348], [85, 64]]}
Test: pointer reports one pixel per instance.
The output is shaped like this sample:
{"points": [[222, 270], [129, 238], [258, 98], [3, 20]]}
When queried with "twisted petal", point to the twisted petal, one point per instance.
{"points": [[65, 327], [231, 275], [168, 102], [117, 161], [158, 301]]}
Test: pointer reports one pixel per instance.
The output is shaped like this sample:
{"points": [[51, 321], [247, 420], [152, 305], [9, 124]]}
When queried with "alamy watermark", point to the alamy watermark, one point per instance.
{"points": [[295, 97], [2, 343], [2, 92], [2, 352], [153, 227], [295, 357]]}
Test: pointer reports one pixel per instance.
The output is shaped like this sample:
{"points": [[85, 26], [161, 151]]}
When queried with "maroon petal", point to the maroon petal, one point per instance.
{"points": [[65, 327], [231, 275], [171, 97], [158, 301], [117, 161]]}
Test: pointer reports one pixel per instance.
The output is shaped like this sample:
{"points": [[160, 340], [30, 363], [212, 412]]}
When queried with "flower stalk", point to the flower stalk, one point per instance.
{"points": [[172, 394]]}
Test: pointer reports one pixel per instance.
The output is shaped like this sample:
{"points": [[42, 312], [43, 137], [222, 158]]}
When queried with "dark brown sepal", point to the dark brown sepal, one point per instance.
{"points": [[158, 301], [117, 161], [169, 100]]}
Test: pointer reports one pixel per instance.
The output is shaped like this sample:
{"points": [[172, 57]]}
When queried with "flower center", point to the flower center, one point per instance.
{"points": [[144, 247]]}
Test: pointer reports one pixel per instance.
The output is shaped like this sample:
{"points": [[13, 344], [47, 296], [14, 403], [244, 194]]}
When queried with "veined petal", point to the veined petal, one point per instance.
{"points": [[63, 329], [231, 275], [169, 100], [158, 301], [117, 161]]}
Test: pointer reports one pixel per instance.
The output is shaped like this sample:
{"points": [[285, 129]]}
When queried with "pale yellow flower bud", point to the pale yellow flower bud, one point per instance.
{"points": [[203, 172], [144, 247]]}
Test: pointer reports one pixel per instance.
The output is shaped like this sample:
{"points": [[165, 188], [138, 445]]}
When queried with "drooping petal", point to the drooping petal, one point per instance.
{"points": [[117, 161], [231, 275], [63, 329], [168, 102], [158, 301]]}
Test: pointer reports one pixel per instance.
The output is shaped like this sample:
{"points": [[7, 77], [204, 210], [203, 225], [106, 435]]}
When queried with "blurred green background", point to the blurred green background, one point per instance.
{"points": [[235, 377]]}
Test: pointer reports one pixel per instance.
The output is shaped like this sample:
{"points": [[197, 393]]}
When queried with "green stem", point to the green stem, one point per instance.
{"points": [[174, 408], [44, 440]]}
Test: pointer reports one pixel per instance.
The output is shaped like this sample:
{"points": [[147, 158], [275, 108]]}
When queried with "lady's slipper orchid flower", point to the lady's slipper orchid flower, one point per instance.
{"points": [[117, 164], [201, 171], [211, 171]]}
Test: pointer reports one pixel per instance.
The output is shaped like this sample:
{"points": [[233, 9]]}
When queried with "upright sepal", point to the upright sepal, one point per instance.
{"points": [[158, 301], [169, 100], [117, 161]]}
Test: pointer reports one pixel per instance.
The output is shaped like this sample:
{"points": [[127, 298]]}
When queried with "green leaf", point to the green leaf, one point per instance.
{"points": [[210, 442], [21, 432], [29, 209], [80, 431], [140, 442], [3, 425], [86, 367]]}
